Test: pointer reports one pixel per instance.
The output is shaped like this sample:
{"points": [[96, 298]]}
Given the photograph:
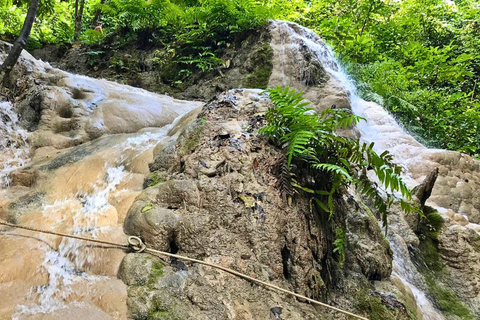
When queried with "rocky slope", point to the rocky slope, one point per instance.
{"points": [[61, 176], [214, 196]]}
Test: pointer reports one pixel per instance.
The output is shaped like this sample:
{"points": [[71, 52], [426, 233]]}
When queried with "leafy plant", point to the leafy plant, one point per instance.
{"points": [[421, 57], [93, 57], [311, 139], [91, 37], [340, 243]]}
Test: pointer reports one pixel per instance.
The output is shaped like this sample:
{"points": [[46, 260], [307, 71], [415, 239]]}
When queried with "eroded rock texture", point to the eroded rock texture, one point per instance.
{"points": [[216, 199]]}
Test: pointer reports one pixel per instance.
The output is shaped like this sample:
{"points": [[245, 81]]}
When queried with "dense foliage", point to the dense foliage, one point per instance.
{"points": [[310, 140], [193, 32], [418, 58]]}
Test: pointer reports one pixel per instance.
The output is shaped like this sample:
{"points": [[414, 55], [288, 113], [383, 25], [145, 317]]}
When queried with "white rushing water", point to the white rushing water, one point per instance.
{"points": [[66, 266], [13, 143], [380, 127]]}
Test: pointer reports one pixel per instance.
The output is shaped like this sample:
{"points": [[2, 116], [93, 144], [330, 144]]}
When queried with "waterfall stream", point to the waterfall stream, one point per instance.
{"points": [[84, 183], [91, 214], [13, 143], [380, 127]]}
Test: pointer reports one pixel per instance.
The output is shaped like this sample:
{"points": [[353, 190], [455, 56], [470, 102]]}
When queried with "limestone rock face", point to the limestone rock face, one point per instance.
{"points": [[456, 177], [64, 110], [74, 155], [459, 248], [213, 195], [213, 202], [155, 225], [368, 245]]}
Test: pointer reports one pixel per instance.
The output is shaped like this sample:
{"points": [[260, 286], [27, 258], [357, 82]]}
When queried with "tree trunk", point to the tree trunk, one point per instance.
{"points": [[98, 13], [370, 9], [78, 19], [20, 43]]}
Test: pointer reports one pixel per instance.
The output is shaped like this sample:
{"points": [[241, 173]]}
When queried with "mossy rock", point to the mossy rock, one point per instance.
{"points": [[381, 307], [165, 306], [446, 300], [140, 269], [155, 272], [432, 268], [191, 138], [263, 66]]}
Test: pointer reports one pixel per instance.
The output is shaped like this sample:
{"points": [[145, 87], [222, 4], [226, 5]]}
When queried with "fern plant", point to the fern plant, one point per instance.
{"points": [[340, 244], [311, 139]]}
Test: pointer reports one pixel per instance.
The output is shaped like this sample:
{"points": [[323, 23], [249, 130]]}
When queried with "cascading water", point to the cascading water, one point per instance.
{"points": [[13, 143], [88, 165], [380, 128], [87, 213]]}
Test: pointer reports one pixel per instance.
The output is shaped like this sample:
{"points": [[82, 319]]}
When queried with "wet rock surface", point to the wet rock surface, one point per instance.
{"points": [[213, 195], [215, 204], [77, 171]]}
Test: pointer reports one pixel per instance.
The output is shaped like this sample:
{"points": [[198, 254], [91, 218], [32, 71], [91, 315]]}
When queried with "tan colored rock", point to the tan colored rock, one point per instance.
{"points": [[74, 185], [24, 178]]}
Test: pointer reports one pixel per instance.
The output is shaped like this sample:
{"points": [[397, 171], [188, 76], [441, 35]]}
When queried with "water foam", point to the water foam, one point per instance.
{"points": [[13, 143]]}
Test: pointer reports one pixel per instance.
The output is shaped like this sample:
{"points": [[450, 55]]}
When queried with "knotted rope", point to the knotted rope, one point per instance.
{"points": [[137, 245]]}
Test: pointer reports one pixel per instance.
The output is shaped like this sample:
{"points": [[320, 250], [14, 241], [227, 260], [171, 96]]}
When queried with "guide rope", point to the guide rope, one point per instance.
{"points": [[137, 245]]}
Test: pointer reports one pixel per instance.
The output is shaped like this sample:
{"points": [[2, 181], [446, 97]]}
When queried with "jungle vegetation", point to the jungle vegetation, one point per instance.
{"points": [[418, 58]]}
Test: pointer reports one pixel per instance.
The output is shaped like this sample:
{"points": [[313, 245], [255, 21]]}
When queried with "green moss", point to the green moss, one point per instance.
{"points": [[263, 69], [155, 179], [373, 307], [192, 139], [429, 254], [166, 307], [155, 273], [412, 314], [432, 269], [431, 224], [447, 300]]}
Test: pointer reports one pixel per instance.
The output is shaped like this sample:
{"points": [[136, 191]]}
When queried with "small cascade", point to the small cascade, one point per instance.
{"points": [[380, 128], [90, 214], [13, 143], [88, 163], [405, 270]]}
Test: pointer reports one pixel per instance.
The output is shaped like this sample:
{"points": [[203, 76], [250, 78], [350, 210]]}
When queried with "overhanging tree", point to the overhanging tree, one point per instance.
{"points": [[79, 7], [20, 43]]}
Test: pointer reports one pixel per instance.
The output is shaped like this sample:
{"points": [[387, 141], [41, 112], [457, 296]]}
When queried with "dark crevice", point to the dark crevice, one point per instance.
{"points": [[286, 261], [173, 247]]}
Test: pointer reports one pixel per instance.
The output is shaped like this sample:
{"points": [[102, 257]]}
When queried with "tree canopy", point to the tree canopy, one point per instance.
{"points": [[418, 58]]}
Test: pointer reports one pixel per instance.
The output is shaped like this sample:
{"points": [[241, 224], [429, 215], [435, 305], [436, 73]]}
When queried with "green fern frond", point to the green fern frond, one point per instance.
{"points": [[311, 138]]}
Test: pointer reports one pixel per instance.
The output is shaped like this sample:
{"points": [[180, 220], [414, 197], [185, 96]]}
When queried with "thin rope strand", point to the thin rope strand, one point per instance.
{"points": [[139, 246]]}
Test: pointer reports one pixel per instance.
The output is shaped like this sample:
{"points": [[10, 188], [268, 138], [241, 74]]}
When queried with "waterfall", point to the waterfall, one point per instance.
{"points": [[13, 143], [87, 180], [380, 127], [91, 214]]}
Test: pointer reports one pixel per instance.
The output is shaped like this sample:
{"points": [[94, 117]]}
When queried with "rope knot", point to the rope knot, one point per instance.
{"points": [[136, 244]]}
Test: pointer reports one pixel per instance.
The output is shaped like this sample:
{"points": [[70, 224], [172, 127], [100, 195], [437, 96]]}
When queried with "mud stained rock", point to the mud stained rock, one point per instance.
{"points": [[217, 200]]}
